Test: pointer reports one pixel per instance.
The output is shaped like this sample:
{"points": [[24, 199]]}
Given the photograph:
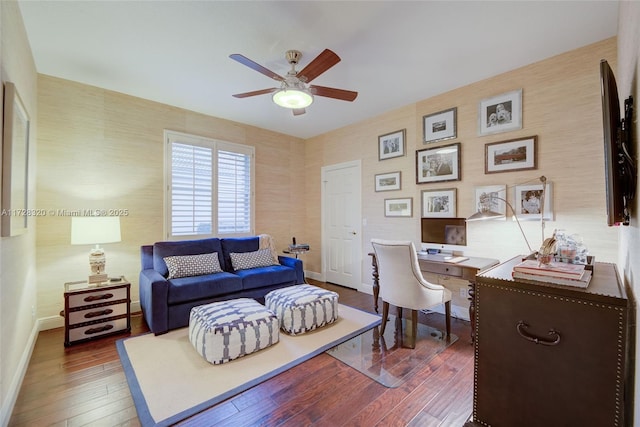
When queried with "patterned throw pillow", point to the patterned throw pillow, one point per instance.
{"points": [[246, 260], [192, 265]]}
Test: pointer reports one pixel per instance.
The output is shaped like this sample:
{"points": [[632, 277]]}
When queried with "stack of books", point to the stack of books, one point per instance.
{"points": [[558, 273]]}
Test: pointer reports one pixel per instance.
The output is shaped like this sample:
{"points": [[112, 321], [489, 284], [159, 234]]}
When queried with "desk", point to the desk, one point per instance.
{"points": [[436, 264]]}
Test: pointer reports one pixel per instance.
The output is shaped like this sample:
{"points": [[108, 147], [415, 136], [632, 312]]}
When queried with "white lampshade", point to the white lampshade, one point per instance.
{"points": [[293, 98], [95, 230]]}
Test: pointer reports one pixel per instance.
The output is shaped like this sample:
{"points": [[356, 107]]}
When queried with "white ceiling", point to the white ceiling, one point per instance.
{"points": [[393, 53]]}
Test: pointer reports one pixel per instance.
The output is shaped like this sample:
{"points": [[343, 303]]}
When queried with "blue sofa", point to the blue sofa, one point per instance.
{"points": [[166, 303]]}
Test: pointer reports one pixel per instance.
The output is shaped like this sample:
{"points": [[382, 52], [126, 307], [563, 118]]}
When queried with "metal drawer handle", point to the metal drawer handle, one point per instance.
{"points": [[92, 314], [553, 340], [98, 330], [91, 298]]}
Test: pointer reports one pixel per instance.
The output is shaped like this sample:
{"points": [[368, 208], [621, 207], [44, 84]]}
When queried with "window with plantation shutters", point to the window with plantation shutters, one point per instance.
{"points": [[209, 188]]}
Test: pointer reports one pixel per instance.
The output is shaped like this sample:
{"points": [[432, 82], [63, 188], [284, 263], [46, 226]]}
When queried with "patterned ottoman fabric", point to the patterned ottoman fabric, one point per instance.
{"points": [[303, 308], [226, 330]]}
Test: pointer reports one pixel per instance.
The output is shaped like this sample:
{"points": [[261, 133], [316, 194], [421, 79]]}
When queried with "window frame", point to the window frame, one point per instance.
{"points": [[215, 145]]}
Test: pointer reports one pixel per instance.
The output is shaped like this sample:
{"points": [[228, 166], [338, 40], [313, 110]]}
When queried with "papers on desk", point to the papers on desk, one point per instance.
{"points": [[456, 259]]}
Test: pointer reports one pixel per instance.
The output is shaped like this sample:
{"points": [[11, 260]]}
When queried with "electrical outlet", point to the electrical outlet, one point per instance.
{"points": [[463, 292], [33, 312]]}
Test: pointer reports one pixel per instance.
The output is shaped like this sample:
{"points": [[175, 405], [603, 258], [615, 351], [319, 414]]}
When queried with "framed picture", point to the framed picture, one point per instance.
{"points": [[491, 197], [388, 181], [528, 200], [391, 145], [438, 164], [15, 161], [398, 207], [439, 203], [500, 113], [513, 155], [440, 126]]}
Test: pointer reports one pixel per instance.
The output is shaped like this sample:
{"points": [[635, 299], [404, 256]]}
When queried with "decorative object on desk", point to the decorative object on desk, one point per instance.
{"points": [[399, 207], [388, 181], [570, 248], [439, 203], [547, 250], [391, 145], [512, 155], [95, 230], [487, 198], [484, 211], [440, 126], [438, 164], [528, 201], [15, 163], [501, 113]]}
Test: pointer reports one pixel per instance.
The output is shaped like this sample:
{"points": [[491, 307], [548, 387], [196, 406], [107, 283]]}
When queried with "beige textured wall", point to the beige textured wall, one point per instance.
{"points": [[104, 150], [17, 254], [561, 105]]}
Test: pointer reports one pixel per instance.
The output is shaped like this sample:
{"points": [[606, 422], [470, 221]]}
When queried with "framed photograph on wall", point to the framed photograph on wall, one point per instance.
{"points": [[15, 163], [488, 198], [439, 203], [438, 164], [388, 181], [528, 202], [399, 207], [391, 145], [500, 113], [440, 126], [513, 155]]}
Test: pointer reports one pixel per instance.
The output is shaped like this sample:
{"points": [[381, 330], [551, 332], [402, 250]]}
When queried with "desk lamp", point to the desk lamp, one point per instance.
{"points": [[484, 210], [95, 230]]}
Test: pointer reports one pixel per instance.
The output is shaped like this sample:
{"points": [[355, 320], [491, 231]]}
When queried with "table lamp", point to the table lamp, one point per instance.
{"points": [[95, 230]]}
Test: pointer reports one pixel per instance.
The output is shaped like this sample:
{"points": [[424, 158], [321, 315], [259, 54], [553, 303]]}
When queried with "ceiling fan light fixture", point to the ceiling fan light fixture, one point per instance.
{"points": [[293, 98]]}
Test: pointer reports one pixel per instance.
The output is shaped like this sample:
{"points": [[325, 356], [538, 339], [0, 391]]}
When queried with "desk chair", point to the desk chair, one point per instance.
{"points": [[402, 284]]}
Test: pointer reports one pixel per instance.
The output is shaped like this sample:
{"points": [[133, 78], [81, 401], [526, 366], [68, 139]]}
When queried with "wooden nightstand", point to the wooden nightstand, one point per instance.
{"points": [[96, 310]]}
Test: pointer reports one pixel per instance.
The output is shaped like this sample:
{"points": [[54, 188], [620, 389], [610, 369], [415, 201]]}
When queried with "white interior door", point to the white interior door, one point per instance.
{"points": [[341, 224]]}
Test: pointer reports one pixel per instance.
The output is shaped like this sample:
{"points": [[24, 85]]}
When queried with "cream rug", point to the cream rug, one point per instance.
{"points": [[170, 381]]}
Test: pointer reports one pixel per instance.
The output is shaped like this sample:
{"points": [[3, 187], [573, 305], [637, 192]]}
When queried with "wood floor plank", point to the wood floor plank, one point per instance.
{"points": [[85, 385]]}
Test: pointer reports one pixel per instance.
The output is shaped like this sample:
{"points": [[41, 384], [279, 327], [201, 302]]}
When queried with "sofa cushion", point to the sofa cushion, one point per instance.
{"points": [[246, 260], [192, 265], [162, 250], [202, 287], [237, 245], [266, 276]]}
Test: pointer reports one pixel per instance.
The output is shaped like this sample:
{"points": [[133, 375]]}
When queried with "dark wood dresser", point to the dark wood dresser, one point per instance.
{"points": [[548, 355]]}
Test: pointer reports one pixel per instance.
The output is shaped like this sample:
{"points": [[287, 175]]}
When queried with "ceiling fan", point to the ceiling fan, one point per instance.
{"points": [[295, 92]]}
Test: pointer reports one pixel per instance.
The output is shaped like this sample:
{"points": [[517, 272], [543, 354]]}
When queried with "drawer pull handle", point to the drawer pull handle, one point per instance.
{"points": [[92, 298], [92, 314], [554, 336], [98, 330]]}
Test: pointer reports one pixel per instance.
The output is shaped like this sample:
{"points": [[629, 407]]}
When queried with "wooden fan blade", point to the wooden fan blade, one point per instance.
{"points": [[299, 111], [331, 92], [255, 66], [319, 65], [254, 93]]}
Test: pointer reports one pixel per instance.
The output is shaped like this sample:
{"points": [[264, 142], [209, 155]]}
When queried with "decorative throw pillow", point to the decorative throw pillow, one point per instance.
{"points": [[246, 260], [192, 265]]}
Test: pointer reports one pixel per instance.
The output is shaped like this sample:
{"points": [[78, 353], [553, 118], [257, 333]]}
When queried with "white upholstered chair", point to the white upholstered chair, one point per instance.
{"points": [[402, 284]]}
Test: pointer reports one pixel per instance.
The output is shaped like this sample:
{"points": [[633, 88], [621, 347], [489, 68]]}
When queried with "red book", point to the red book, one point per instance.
{"points": [[583, 282], [554, 269]]}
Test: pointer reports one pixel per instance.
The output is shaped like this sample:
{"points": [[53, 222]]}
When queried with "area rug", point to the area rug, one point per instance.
{"points": [[390, 359], [170, 381]]}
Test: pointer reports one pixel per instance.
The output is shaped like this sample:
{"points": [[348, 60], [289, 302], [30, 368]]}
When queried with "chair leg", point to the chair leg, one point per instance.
{"points": [[447, 315], [414, 329], [385, 316]]}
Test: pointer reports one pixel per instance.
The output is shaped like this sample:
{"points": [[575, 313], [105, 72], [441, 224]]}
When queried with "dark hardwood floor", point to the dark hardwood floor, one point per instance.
{"points": [[85, 385]]}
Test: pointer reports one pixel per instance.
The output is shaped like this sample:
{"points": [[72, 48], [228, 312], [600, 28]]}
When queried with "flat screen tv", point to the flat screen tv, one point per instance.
{"points": [[444, 234], [619, 164]]}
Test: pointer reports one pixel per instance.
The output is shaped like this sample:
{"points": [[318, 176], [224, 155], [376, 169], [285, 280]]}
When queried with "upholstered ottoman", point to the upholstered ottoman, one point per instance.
{"points": [[223, 331], [303, 308]]}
